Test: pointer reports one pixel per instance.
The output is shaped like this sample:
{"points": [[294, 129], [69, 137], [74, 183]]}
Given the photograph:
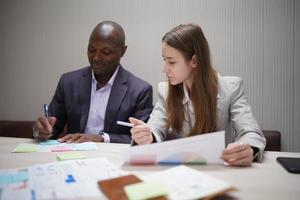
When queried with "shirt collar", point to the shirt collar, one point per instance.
{"points": [[111, 80], [186, 97]]}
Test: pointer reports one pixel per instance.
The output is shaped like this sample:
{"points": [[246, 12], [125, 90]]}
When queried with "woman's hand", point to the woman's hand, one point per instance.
{"points": [[238, 154], [141, 132]]}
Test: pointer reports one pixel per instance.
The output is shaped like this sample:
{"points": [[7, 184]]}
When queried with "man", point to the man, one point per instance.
{"points": [[88, 102]]}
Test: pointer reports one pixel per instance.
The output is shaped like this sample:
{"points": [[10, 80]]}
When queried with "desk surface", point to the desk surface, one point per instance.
{"points": [[267, 180]]}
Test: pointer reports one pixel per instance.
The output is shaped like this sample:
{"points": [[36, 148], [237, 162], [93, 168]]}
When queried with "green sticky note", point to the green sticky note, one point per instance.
{"points": [[26, 148], [145, 190], [70, 156]]}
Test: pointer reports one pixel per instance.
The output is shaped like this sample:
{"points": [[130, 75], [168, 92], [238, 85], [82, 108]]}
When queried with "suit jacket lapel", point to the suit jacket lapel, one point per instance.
{"points": [[117, 94], [85, 84]]}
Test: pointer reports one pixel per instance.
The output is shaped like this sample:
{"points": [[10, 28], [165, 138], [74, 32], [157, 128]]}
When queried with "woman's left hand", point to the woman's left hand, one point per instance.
{"points": [[238, 154]]}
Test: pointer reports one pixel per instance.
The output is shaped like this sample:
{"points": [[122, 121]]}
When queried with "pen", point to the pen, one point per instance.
{"points": [[125, 124], [46, 111]]}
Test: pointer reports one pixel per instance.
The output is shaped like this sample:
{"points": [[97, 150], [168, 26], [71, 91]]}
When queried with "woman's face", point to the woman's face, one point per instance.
{"points": [[176, 67]]}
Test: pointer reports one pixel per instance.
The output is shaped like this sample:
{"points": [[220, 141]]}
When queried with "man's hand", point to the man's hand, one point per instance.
{"points": [[141, 132], [44, 127], [238, 154], [79, 138]]}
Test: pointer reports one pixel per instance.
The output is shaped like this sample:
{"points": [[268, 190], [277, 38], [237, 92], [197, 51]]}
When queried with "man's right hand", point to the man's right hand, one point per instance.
{"points": [[44, 127]]}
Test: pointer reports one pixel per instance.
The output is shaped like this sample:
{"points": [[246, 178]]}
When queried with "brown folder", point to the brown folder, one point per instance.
{"points": [[113, 188]]}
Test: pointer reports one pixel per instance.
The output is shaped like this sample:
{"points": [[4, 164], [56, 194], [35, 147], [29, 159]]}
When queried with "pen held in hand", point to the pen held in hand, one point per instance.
{"points": [[46, 111], [125, 124]]}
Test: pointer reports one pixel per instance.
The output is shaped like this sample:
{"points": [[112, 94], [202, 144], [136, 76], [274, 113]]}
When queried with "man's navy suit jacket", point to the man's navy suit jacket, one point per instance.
{"points": [[129, 97]]}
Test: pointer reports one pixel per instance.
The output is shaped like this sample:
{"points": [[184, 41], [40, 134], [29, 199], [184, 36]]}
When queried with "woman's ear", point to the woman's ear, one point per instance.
{"points": [[194, 61]]}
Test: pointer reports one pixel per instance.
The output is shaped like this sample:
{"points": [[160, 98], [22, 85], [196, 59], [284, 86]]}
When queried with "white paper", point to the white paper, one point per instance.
{"points": [[72, 179], [206, 148], [186, 183]]}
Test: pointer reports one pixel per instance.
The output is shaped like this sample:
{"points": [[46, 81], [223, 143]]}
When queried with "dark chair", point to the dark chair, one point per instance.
{"points": [[273, 139], [21, 129]]}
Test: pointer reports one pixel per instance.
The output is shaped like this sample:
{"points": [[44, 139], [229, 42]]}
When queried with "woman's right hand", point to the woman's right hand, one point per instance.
{"points": [[141, 132]]}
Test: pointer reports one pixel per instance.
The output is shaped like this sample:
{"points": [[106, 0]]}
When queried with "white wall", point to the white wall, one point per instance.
{"points": [[257, 40]]}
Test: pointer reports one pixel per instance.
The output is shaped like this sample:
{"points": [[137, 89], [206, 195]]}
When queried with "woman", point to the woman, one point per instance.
{"points": [[198, 100]]}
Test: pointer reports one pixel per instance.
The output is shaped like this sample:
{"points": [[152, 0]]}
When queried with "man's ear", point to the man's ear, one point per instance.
{"points": [[194, 61], [124, 50]]}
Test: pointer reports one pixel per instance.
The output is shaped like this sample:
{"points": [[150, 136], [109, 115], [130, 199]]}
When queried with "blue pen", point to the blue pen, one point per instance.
{"points": [[46, 111]]}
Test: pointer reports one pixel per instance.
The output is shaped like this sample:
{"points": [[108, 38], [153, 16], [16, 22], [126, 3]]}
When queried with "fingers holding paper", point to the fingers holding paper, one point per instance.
{"points": [[238, 154], [140, 132]]}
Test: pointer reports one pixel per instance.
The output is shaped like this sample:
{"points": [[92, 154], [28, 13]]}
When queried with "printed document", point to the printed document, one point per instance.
{"points": [[186, 183], [200, 149]]}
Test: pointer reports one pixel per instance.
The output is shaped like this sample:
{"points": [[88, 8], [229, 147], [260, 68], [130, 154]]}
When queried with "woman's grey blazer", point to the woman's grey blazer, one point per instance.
{"points": [[234, 115]]}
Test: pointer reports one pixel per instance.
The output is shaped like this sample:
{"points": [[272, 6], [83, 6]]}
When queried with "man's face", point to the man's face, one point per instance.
{"points": [[104, 54]]}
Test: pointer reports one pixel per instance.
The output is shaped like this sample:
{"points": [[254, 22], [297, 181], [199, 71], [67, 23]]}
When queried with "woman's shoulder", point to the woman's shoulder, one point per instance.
{"points": [[229, 84]]}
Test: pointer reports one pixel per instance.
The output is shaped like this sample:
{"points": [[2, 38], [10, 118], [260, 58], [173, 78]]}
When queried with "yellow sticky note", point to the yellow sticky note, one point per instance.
{"points": [[70, 156], [26, 148], [145, 190]]}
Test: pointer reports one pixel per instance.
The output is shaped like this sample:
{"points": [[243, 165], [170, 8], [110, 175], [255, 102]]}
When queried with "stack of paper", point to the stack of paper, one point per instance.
{"points": [[186, 183], [58, 180]]}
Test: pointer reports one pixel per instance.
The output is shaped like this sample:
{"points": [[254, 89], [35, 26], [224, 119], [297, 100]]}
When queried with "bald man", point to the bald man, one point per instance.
{"points": [[88, 102]]}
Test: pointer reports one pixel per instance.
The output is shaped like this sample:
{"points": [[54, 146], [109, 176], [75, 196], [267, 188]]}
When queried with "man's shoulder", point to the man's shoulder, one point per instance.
{"points": [[77, 73], [134, 80]]}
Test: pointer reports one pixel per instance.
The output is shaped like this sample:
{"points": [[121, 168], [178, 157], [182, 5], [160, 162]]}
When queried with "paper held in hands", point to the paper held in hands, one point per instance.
{"points": [[200, 149]]}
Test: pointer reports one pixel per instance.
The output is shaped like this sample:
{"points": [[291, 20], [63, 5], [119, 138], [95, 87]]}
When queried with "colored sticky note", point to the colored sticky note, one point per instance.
{"points": [[25, 148], [85, 146], [14, 178], [19, 177], [49, 142], [61, 148], [70, 156], [5, 179], [145, 190]]}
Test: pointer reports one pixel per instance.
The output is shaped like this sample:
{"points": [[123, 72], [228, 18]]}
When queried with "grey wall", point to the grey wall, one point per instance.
{"points": [[258, 40]]}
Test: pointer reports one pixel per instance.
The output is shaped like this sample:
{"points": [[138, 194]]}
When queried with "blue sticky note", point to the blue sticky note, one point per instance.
{"points": [[5, 179], [85, 146], [19, 177], [49, 142], [14, 178]]}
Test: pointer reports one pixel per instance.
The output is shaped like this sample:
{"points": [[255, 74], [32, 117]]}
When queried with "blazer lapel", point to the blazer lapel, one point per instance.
{"points": [[85, 84], [117, 94]]}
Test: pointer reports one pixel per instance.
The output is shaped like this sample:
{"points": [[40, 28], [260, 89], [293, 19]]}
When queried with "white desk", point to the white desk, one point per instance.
{"points": [[267, 180]]}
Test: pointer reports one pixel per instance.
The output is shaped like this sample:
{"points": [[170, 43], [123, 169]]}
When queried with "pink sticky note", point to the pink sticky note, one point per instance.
{"points": [[61, 148]]}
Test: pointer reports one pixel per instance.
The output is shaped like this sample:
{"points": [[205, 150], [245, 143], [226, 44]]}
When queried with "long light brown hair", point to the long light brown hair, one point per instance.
{"points": [[190, 40]]}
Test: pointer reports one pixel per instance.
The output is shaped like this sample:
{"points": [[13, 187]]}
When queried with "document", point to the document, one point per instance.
{"points": [[200, 149], [72, 179], [186, 183], [54, 146]]}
